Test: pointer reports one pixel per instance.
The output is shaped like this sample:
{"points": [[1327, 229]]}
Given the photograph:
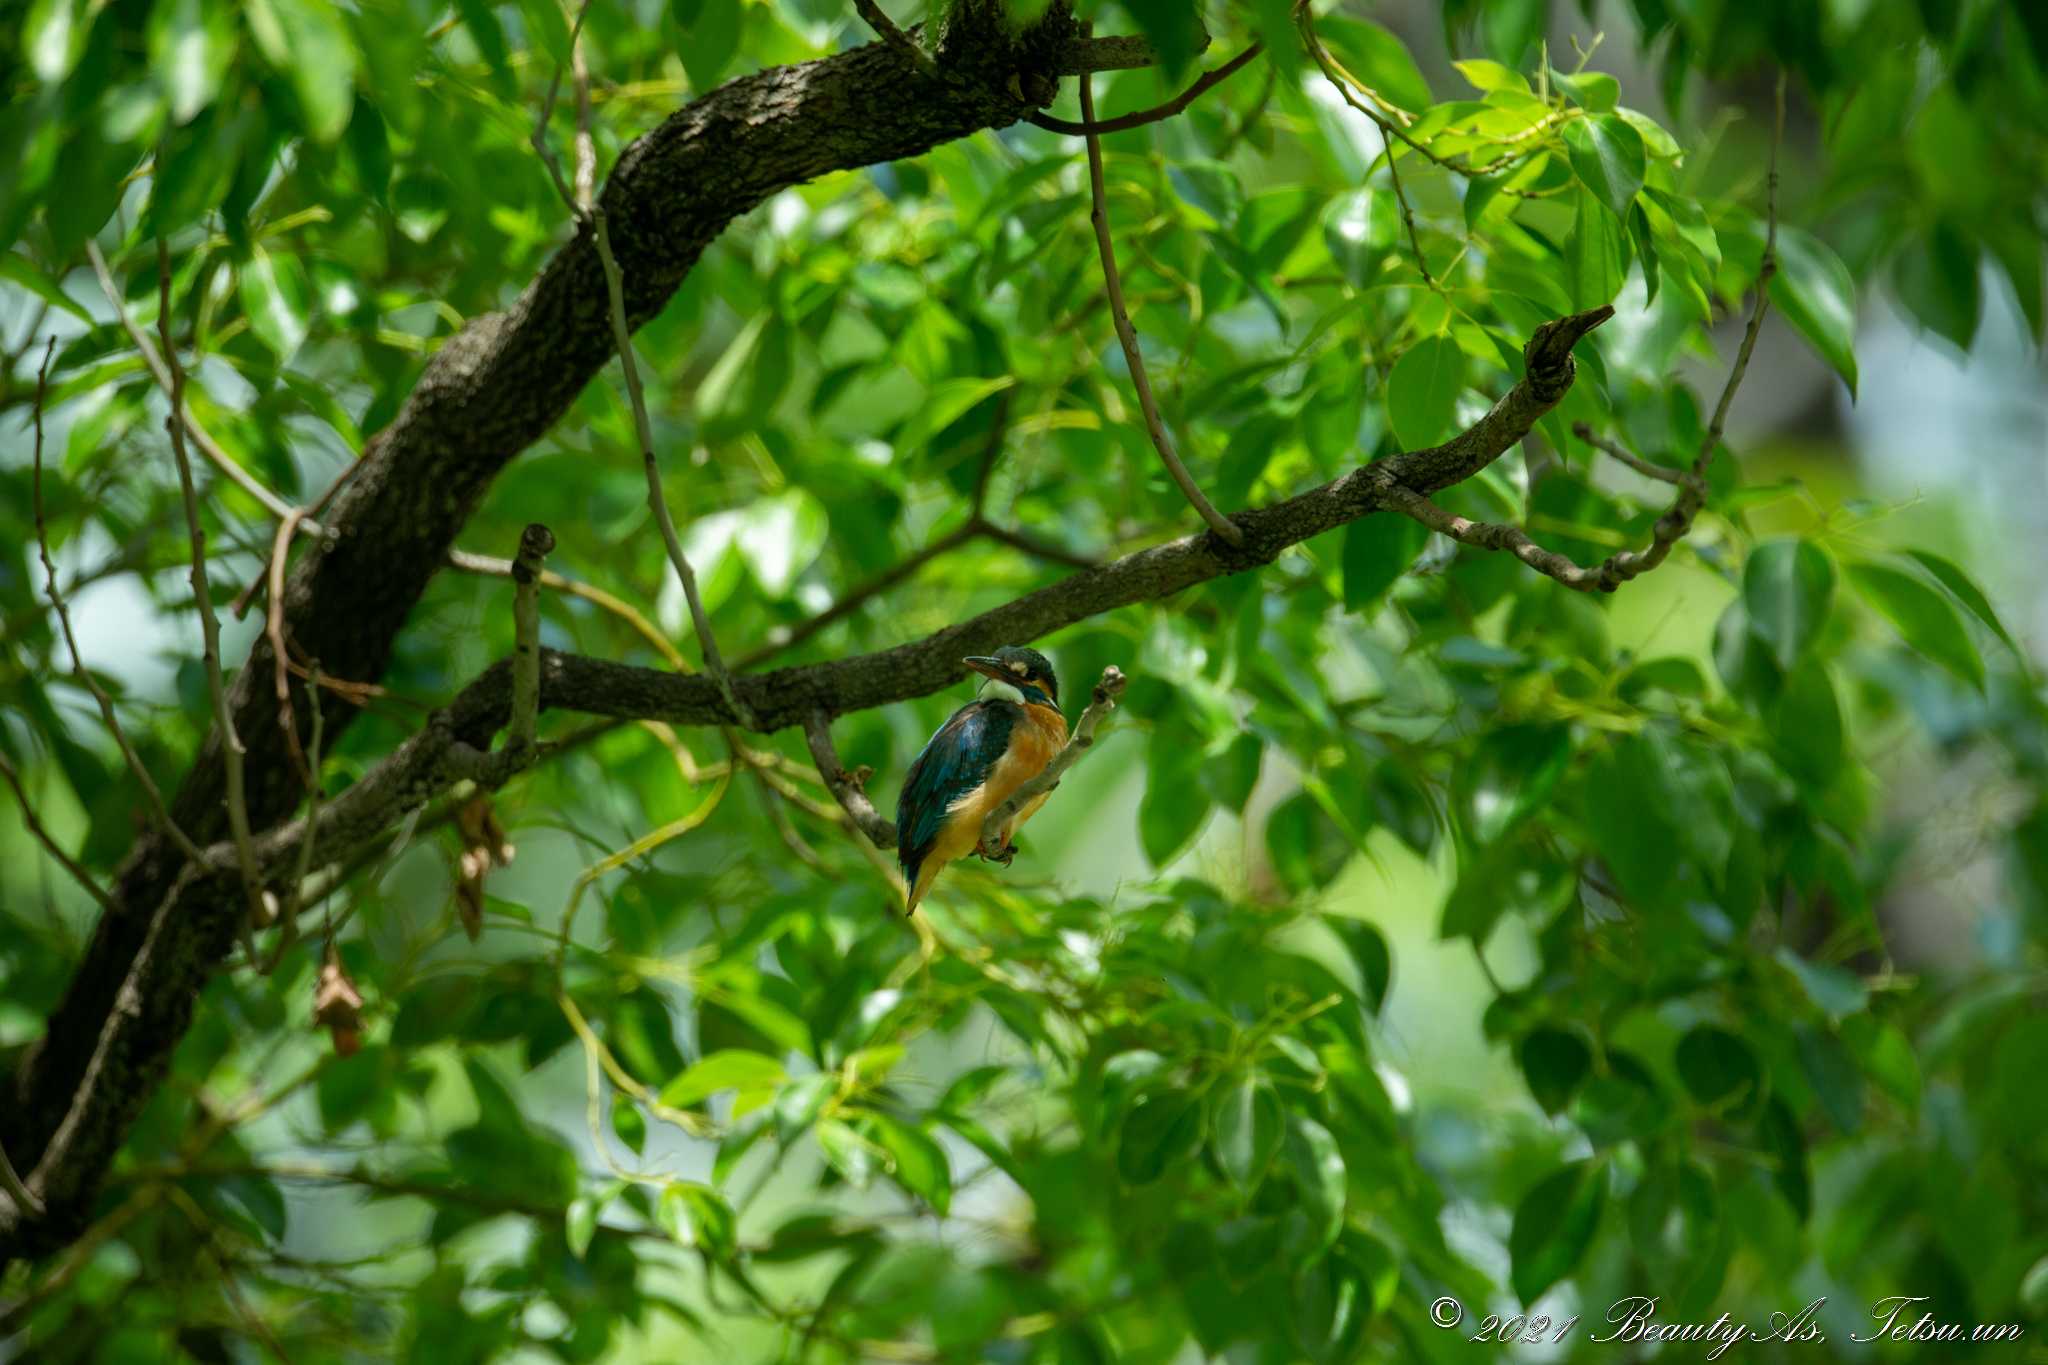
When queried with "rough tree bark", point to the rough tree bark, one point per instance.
{"points": [[492, 390], [495, 388]]}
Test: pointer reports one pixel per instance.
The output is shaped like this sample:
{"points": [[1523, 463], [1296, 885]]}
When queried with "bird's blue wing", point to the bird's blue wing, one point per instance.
{"points": [[955, 760]]}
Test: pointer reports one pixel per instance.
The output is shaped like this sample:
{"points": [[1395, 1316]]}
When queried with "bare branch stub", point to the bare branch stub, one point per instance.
{"points": [[849, 788]]}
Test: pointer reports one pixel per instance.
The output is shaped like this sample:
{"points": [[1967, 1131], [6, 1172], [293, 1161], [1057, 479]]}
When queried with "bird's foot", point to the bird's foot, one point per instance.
{"points": [[1003, 855]]}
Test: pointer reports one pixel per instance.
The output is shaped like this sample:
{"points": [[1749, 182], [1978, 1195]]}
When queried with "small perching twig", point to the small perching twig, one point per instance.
{"points": [[1127, 335], [535, 544], [1100, 703], [895, 37], [1158, 112], [1401, 198], [490, 770], [1676, 523], [850, 788], [43, 837], [10, 1179], [209, 623], [273, 629], [150, 792], [1659, 472], [169, 382], [302, 867], [539, 137]]}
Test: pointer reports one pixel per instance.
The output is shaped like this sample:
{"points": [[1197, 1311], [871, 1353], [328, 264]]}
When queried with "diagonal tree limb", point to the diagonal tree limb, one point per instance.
{"points": [[1127, 337], [487, 393]]}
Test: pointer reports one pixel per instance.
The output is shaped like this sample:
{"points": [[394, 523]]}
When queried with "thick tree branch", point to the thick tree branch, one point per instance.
{"points": [[488, 392]]}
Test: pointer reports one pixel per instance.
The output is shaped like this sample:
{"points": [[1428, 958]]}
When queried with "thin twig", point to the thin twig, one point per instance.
{"points": [[43, 837], [1661, 473], [10, 1179], [850, 788], [1401, 198], [288, 932], [535, 544], [714, 662], [151, 793], [209, 623], [158, 367], [1138, 119], [1677, 521], [598, 597], [539, 138], [883, 25], [1100, 704], [1128, 336], [273, 628]]}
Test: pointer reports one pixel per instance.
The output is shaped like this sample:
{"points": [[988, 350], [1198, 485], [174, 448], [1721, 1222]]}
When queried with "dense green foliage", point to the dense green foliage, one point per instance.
{"points": [[1144, 1087]]}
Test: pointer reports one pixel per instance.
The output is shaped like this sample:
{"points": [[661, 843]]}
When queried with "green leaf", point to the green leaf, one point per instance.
{"points": [[1719, 1069], [544, 21], [276, 297], [1788, 587], [53, 35], [1422, 392], [1229, 777], [916, 1161], [1594, 90], [853, 1156], [1378, 58], [1305, 844], [1369, 951], [1246, 1131], [191, 44], [779, 536], [1360, 228], [1607, 155], [1511, 773], [1832, 1072], [1159, 1131], [1555, 1062], [1966, 591], [320, 61], [730, 1069], [1318, 1171], [1807, 723], [1814, 291], [1174, 28], [698, 1216], [579, 1225], [1554, 1224], [19, 269], [946, 404], [1836, 990], [712, 40], [1596, 253], [1175, 803], [1485, 74], [1926, 618], [1377, 552]]}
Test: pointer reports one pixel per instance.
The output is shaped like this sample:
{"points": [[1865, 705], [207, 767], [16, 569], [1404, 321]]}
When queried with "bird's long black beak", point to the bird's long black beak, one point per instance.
{"points": [[987, 667]]}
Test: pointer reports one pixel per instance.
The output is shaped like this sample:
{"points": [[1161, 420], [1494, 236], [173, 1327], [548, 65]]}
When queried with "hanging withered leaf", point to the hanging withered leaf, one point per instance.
{"points": [[338, 1005], [484, 846]]}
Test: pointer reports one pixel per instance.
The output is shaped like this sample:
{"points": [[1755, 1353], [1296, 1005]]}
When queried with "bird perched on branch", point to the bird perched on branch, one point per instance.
{"points": [[974, 762]]}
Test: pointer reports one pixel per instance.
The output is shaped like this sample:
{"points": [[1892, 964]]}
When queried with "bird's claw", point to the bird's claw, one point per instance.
{"points": [[1004, 855]]}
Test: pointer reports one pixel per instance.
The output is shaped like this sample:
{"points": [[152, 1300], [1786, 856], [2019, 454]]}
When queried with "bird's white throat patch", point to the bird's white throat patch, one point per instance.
{"points": [[998, 688]]}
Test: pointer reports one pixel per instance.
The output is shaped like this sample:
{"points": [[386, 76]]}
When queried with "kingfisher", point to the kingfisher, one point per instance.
{"points": [[972, 764]]}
